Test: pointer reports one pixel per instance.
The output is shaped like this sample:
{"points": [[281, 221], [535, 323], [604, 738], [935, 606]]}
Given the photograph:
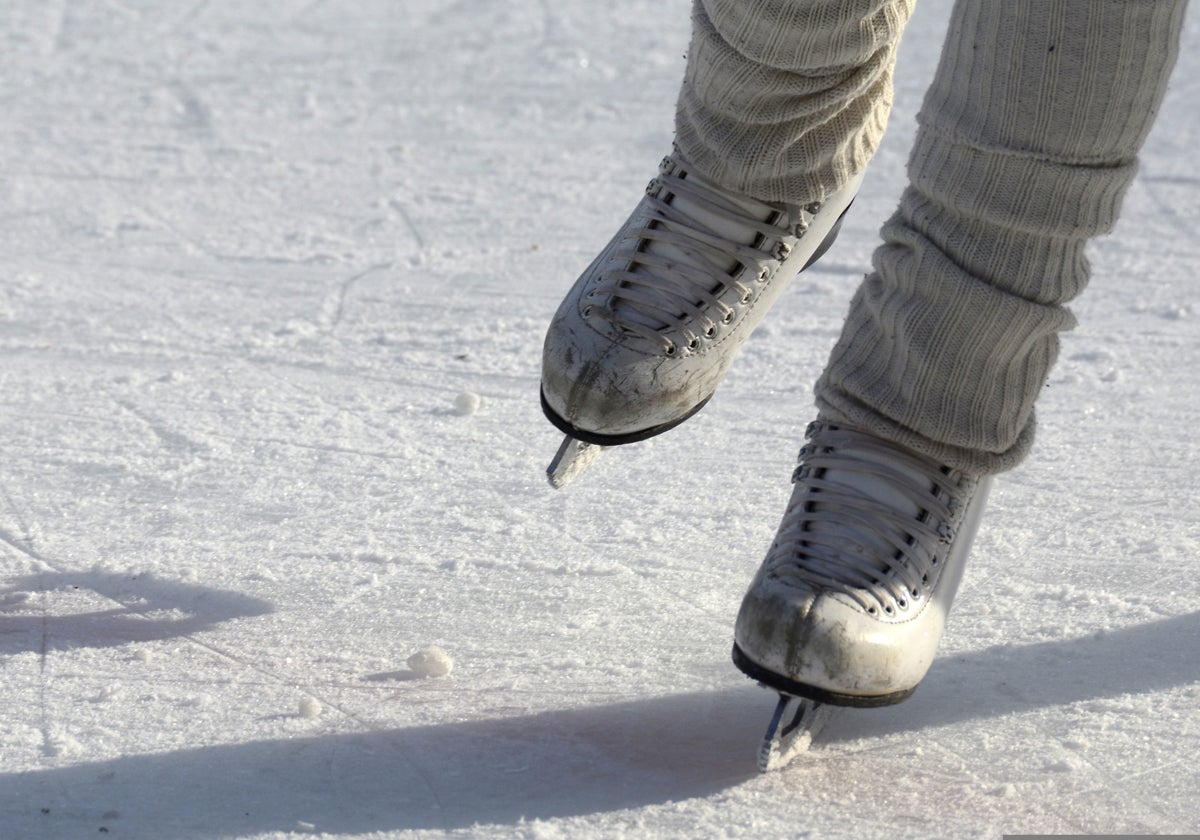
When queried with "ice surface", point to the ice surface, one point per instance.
{"points": [[252, 255]]}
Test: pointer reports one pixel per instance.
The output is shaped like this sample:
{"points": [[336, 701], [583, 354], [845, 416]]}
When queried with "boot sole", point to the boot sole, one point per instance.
{"points": [[784, 685], [614, 440]]}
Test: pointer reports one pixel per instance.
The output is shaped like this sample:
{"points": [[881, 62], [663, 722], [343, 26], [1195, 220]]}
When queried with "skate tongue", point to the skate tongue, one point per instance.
{"points": [[870, 521], [723, 224], [701, 208], [869, 486]]}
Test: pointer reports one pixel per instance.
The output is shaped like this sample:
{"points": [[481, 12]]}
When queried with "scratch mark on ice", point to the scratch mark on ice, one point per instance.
{"points": [[334, 307]]}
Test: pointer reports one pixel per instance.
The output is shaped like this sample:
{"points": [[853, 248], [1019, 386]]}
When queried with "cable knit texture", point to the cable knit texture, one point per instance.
{"points": [[1027, 144], [786, 100]]}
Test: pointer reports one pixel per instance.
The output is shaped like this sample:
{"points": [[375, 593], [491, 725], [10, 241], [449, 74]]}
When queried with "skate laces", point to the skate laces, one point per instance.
{"points": [[702, 251], [870, 520]]}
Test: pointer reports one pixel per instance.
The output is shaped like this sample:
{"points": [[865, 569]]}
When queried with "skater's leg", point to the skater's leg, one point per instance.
{"points": [[781, 106], [786, 100], [1028, 140], [1027, 143]]}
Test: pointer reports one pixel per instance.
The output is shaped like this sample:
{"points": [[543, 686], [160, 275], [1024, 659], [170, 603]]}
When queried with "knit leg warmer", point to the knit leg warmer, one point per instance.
{"points": [[1027, 143], [785, 100]]}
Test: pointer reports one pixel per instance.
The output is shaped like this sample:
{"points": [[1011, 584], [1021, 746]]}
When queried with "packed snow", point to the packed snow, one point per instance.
{"points": [[431, 662], [274, 283]]}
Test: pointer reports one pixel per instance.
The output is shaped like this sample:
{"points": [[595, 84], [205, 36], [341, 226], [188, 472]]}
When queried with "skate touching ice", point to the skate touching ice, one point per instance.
{"points": [[851, 601], [1023, 153]]}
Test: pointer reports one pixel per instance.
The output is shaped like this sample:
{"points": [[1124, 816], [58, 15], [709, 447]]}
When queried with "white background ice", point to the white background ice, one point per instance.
{"points": [[251, 253]]}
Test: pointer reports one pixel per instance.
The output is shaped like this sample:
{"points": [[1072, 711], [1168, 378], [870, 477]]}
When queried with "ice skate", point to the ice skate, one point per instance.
{"points": [[649, 330], [850, 603]]}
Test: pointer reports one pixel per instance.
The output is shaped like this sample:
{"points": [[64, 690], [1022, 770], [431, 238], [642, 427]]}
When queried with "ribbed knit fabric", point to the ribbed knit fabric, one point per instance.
{"points": [[785, 100], [1027, 143]]}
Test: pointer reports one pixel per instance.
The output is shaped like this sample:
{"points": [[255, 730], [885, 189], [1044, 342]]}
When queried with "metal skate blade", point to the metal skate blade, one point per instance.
{"points": [[785, 741], [573, 457]]}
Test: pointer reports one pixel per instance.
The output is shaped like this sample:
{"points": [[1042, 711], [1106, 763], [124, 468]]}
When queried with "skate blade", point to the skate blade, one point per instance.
{"points": [[573, 457], [790, 734]]}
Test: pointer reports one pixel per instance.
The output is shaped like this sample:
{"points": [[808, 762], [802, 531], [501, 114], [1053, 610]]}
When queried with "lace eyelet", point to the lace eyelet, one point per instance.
{"points": [[671, 349], [728, 317]]}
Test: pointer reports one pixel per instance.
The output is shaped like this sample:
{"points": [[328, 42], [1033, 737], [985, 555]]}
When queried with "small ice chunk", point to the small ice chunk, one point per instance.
{"points": [[59, 743], [467, 403], [310, 707], [431, 662], [109, 693]]}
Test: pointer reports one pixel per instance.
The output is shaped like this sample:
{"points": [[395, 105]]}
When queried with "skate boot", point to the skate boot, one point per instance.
{"points": [[648, 331], [850, 603]]}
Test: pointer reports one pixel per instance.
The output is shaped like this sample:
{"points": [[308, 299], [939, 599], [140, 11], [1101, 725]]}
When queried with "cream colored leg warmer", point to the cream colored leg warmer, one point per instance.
{"points": [[785, 100], [1027, 143]]}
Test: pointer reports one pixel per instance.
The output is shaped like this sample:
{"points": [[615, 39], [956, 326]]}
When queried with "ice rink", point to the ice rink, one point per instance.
{"points": [[256, 262]]}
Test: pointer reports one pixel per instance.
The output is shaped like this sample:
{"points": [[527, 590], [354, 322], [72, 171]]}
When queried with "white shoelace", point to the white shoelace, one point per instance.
{"points": [[872, 523], [678, 274]]}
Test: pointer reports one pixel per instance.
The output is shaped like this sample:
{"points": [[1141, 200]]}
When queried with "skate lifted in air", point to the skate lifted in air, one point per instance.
{"points": [[573, 457], [646, 334]]}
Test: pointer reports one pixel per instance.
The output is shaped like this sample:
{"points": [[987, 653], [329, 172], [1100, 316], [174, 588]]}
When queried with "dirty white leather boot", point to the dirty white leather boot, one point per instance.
{"points": [[851, 601], [651, 327]]}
